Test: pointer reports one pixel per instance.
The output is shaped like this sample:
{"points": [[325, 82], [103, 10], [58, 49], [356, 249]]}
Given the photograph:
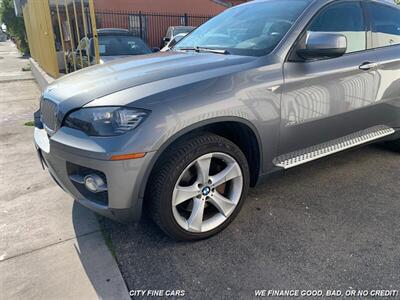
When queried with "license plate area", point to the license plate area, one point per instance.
{"points": [[42, 140]]}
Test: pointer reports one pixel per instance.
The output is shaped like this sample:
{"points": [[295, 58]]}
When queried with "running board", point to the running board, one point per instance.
{"points": [[296, 158]]}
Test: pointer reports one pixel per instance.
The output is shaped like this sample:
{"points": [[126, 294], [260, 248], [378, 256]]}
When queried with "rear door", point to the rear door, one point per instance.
{"points": [[385, 25], [329, 98]]}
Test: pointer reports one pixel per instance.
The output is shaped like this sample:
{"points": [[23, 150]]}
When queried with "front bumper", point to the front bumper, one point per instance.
{"points": [[121, 202]]}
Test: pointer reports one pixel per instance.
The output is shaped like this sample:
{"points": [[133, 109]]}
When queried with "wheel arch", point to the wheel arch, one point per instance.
{"points": [[239, 128]]}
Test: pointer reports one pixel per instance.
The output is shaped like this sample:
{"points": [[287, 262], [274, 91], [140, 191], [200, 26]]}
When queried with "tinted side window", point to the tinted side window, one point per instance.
{"points": [[385, 25], [346, 18]]}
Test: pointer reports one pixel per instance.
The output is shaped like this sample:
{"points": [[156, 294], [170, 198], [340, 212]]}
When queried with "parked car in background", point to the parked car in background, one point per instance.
{"points": [[173, 31], [262, 87], [174, 41], [3, 36], [114, 43]]}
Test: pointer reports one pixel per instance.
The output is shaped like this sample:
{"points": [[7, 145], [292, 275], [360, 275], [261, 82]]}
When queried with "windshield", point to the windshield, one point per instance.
{"points": [[254, 29], [119, 45]]}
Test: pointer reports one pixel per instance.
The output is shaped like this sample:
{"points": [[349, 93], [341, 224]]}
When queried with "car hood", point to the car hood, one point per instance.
{"points": [[79, 88], [106, 59]]}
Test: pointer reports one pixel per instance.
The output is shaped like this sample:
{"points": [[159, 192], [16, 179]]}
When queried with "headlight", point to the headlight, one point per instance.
{"points": [[105, 121]]}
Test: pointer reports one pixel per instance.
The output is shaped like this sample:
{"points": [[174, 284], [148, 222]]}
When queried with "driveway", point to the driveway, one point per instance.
{"points": [[331, 224]]}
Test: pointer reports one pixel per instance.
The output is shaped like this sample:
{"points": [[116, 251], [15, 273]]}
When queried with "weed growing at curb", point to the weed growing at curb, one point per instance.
{"points": [[107, 238], [30, 124]]}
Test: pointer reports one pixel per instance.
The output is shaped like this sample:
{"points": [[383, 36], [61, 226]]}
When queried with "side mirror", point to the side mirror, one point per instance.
{"points": [[166, 39], [155, 49], [323, 45]]}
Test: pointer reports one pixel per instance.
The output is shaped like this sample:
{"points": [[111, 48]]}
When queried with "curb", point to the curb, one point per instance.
{"points": [[41, 77]]}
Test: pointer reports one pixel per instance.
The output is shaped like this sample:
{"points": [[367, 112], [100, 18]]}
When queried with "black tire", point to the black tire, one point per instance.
{"points": [[167, 172]]}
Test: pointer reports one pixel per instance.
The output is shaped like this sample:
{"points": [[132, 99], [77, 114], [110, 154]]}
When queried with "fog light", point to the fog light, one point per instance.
{"points": [[95, 183]]}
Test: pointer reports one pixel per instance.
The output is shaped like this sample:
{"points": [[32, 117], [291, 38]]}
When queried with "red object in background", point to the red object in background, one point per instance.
{"points": [[150, 19], [200, 7]]}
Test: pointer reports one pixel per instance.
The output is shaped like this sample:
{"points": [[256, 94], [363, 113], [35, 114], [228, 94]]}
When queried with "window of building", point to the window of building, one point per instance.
{"points": [[138, 25]]}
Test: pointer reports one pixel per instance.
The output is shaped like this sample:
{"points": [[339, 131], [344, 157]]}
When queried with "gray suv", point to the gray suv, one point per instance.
{"points": [[263, 87]]}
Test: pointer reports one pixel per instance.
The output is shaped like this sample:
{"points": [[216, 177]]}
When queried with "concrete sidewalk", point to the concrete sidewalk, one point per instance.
{"points": [[50, 247], [11, 64]]}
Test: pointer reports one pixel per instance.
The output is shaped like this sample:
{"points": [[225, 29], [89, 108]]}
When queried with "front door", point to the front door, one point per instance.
{"points": [[329, 98]]}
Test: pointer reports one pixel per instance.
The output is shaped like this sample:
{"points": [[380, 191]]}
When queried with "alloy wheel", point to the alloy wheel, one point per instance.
{"points": [[207, 192]]}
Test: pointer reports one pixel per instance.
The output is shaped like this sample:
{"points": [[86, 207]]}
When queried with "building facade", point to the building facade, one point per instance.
{"points": [[198, 7]]}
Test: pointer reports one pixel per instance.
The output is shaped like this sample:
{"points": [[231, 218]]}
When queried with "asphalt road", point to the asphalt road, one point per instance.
{"points": [[331, 224]]}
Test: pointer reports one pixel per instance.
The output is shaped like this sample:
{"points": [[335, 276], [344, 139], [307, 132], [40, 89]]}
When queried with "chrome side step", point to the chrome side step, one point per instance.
{"points": [[296, 158]]}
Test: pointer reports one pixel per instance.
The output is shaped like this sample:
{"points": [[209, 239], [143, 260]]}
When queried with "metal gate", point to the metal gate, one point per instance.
{"points": [[55, 29]]}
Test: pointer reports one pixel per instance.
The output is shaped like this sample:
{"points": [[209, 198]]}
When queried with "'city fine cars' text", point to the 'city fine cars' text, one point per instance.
{"points": [[157, 293], [326, 293]]}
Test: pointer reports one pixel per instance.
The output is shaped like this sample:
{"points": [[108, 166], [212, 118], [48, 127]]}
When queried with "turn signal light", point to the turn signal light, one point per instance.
{"points": [[128, 156]]}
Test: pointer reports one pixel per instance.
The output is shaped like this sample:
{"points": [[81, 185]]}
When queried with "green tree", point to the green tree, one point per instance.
{"points": [[397, 2], [15, 25]]}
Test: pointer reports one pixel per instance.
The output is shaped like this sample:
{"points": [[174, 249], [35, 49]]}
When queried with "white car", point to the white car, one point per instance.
{"points": [[173, 31], [174, 41]]}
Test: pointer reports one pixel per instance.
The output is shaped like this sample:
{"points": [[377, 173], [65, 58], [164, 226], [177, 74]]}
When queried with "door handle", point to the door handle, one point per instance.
{"points": [[368, 66]]}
